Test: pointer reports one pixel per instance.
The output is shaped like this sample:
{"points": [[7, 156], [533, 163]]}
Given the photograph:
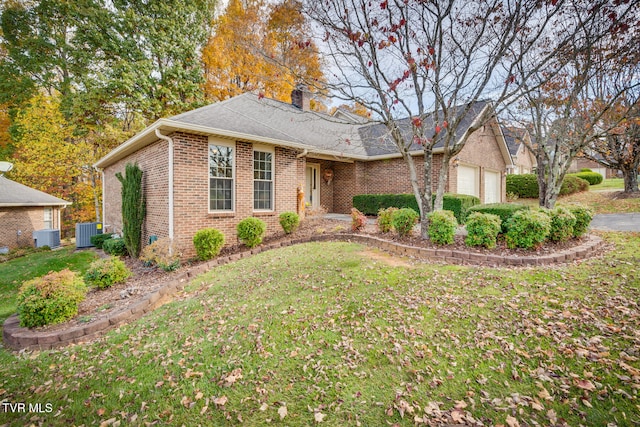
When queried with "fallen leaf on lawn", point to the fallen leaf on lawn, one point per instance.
{"points": [[319, 417], [101, 411], [586, 403], [204, 409], [551, 414], [512, 422], [457, 415], [221, 401], [585, 385], [282, 411], [108, 422], [544, 394], [264, 407], [537, 406], [199, 395], [460, 404]]}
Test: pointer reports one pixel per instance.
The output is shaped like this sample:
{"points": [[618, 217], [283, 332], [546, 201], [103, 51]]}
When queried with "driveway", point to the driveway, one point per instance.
{"points": [[616, 222]]}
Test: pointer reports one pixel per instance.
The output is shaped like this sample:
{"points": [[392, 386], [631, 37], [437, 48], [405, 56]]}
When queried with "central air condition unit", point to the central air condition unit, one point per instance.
{"points": [[49, 238], [84, 231]]}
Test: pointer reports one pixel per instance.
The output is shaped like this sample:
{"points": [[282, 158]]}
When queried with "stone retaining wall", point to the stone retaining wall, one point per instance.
{"points": [[16, 337]]}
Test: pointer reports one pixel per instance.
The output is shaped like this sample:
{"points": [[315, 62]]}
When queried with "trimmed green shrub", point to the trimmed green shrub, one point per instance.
{"points": [[289, 221], [98, 239], [358, 220], [503, 210], [115, 246], [562, 223], [385, 219], [133, 207], [585, 170], [593, 178], [442, 227], [573, 184], [370, 204], [482, 229], [106, 272], [583, 216], [208, 243], [526, 185], [53, 298], [403, 220], [527, 229], [251, 231]]}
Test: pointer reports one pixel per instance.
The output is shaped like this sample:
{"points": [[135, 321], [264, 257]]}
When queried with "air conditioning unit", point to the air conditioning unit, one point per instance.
{"points": [[49, 238], [84, 231]]}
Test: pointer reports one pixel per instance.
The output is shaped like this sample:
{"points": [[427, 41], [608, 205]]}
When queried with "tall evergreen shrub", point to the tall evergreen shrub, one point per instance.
{"points": [[133, 208]]}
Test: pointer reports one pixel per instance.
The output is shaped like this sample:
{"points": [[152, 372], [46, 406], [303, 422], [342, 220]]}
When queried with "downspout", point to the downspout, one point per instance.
{"points": [[170, 142], [303, 154]]}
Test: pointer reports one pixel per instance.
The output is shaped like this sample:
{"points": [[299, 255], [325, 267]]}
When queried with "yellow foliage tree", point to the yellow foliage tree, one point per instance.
{"points": [[251, 53], [48, 157]]}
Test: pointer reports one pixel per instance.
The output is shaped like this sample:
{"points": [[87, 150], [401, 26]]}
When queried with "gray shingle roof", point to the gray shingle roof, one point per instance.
{"points": [[15, 194], [513, 138]]}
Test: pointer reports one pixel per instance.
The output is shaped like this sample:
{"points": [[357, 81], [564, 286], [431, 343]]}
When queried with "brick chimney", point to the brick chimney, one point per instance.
{"points": [[301, 97]]}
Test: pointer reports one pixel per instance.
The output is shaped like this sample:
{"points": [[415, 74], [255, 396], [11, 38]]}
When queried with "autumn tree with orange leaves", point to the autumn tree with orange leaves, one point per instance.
{"points": [[259, 47]]}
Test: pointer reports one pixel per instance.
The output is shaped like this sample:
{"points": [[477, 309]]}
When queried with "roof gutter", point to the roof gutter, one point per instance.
{"points": [[303, 154], [170, 189]]}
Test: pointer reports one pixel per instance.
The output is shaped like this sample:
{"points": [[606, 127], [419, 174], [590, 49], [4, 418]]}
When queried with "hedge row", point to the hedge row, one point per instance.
{"points": [[526, 185], [371, 204]]}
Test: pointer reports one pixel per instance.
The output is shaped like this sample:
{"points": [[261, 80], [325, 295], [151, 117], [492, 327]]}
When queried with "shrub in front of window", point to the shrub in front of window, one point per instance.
{"points": [[442, 227], [482, 229], [104, 273], [527, 229], [208, 243], [163, 254], [115, 247], [385, 219], [53, 298], [583, 216], [98, 240], [251, 231], [562, 223], [403, 221], [289, 221], [358, 220]]}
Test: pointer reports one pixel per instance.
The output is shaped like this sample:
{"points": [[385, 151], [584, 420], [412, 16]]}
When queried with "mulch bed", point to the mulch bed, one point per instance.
{"points": [[99, 303]]}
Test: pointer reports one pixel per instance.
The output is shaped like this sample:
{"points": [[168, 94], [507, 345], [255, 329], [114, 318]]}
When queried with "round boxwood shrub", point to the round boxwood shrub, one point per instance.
{"points": [[208, 243], [53, 298], [482, 229], [502, 210], [385, 219], [562, 223], [251, 231], [289, 222], [403, 220], [527, 229], [593, 178], [573, 184], [98, 240], [115, 247], [442, 227], [106, 272], [583, 216]]}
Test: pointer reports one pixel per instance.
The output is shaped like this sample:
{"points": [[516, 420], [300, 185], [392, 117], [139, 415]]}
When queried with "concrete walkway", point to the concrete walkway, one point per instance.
{"points": [[603, 222]]}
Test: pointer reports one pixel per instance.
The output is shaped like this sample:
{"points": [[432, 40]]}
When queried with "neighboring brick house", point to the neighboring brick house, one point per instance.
{"points": [[24, 210], [580, 163], [523, 160], [251, 156]]}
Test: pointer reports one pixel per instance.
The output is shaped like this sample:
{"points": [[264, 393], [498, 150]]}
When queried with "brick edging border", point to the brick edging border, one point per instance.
{"points": [[18, 338]]}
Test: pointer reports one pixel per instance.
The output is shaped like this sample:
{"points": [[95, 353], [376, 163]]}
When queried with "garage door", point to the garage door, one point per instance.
{"points": [[468, 180], [491, 187]]}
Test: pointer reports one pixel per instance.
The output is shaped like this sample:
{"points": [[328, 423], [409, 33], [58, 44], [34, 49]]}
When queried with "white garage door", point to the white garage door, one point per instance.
{"points": [[491, 187], [468, 180]]}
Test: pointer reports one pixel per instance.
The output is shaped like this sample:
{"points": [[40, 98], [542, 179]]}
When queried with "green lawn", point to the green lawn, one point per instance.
{"points": [[18, 270], [601, 202], [609, 184], [333, 333]]}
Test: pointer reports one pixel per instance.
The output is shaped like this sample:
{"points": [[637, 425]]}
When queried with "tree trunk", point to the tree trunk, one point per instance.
{"points": [[443, 177], [427, 195], [96, 197], [630, 180]]}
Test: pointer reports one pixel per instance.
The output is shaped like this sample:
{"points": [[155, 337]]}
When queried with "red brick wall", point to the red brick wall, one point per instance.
{"points": [[23, 219], [191, 188]]}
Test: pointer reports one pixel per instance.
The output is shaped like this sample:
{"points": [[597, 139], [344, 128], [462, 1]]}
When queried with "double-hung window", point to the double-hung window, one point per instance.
{"points": [[263, 179], [48, 218], [221, 176]]}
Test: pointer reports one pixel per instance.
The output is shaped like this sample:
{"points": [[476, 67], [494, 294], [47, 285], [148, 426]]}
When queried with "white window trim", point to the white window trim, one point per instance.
{"points": [[50, 220], [225, 143], [266, 149]]}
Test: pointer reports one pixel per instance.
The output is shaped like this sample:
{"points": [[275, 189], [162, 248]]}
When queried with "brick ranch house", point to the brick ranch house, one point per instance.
{"points": [[251, 156], [24, 210]]}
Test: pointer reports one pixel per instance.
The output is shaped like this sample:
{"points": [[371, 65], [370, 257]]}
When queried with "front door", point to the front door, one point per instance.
{"points": [[312, 186]]}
